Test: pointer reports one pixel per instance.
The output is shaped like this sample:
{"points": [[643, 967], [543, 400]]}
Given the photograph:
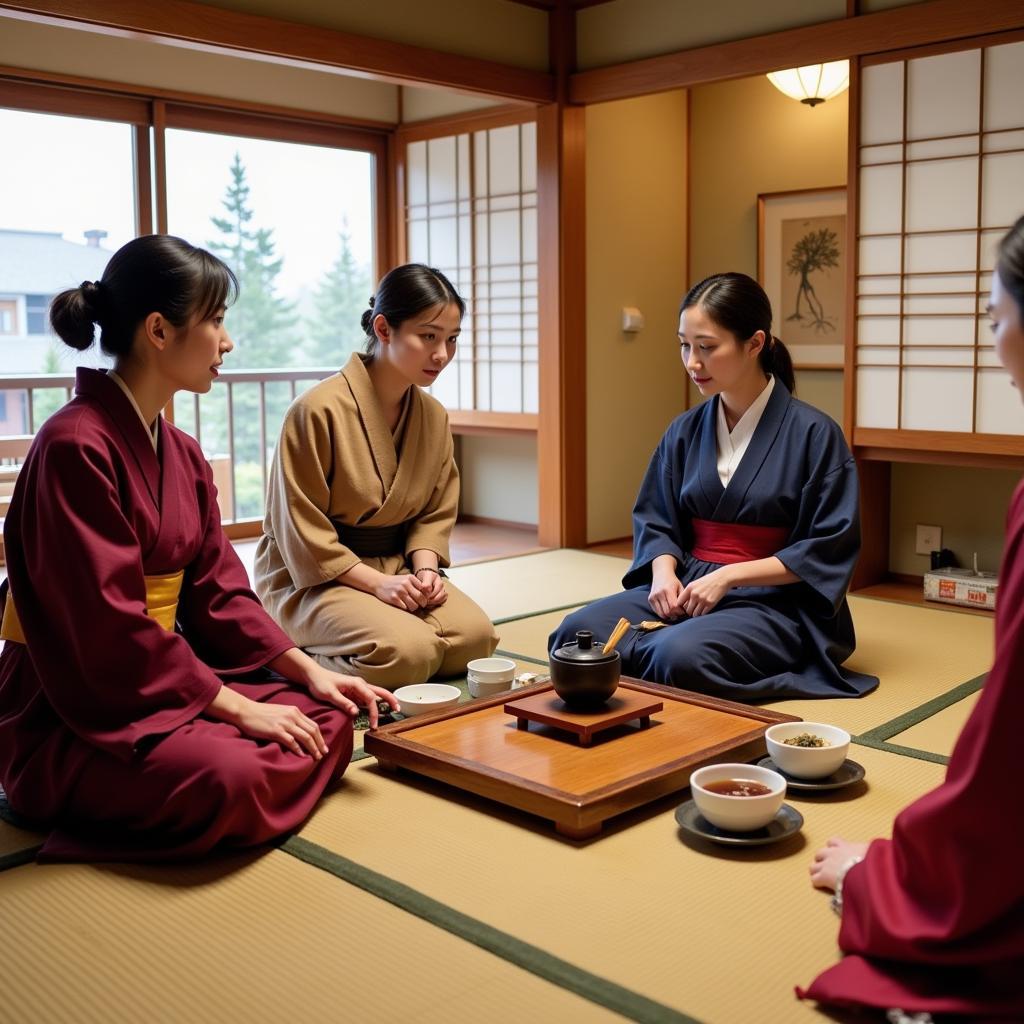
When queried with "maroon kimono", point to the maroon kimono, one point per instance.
{"points": [[933, 919], [102, 734]]}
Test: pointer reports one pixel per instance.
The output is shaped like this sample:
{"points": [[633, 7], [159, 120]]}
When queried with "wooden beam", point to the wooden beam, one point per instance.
{"points": [[875, 500], [201, 27], [915, 25], [562, 429], [561, 216], [76, 85], [470, 121]]}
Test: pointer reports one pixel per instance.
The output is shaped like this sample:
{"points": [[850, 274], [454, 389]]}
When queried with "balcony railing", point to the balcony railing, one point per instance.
{"points": [[237, 424]]}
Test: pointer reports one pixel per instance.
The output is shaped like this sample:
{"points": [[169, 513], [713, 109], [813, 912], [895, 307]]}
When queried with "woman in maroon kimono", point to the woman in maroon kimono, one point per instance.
{"points": [[138, 718], [933, 919]]}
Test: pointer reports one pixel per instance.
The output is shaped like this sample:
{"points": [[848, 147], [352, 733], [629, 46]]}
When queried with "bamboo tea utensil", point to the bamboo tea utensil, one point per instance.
{"points": [[617, 634], [648, 626]]}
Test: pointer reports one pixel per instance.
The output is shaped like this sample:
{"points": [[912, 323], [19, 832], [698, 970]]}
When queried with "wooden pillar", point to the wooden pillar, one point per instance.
{"points": [[561, 214]]}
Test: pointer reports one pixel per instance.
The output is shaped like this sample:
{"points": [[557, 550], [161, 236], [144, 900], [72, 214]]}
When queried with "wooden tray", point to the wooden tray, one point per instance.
{"points": [[477, 747]]}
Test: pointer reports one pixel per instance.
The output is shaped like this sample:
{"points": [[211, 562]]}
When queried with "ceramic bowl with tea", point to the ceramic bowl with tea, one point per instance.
{"points": [[807, 750], [737, 797], [583, 675]]}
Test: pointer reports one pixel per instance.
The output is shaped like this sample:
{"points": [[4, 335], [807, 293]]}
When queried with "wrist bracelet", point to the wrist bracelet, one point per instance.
{"points": [[837, 896], [426, 568]]}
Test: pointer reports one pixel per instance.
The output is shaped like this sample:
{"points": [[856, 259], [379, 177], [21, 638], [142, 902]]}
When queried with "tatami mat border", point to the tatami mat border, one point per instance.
{"points": [[530, 958], [19, 857], [931, 707], [543, 611], [895, 748]]}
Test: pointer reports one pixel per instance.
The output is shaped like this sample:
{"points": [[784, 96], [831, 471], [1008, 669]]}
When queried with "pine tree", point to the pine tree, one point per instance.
{"points": [[263, 326], [261, 322], [333, 332]]}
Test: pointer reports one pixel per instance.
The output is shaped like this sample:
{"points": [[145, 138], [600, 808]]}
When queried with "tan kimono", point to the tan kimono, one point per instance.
{"points": [[339, 471]]}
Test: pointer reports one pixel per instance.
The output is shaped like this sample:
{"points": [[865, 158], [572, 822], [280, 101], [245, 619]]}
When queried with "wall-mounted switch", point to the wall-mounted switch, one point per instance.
{"points": [[929, 539]]}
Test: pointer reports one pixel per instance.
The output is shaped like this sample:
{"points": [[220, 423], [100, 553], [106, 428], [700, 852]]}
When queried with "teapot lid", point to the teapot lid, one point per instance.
{"points": [[585, 649]]}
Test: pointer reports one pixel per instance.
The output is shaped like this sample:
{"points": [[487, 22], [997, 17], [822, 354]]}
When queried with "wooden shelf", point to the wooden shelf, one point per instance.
{"points": [[912, 593]]}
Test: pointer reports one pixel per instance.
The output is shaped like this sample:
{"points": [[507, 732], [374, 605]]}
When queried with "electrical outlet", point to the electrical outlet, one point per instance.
{"points": [[929, 539]]}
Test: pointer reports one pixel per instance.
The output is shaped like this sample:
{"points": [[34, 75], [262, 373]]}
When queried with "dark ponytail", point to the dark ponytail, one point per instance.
{"points": [[405, 292], [152, 274], [1010, 264], [739, 304]]}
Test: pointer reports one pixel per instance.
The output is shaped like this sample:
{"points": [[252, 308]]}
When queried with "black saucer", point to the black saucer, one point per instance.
{"points": [[846, 774], [786, 823]]}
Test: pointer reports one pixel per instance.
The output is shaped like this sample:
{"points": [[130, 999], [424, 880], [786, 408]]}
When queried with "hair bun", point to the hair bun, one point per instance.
{"points": [[366, 321], [91, 293]]}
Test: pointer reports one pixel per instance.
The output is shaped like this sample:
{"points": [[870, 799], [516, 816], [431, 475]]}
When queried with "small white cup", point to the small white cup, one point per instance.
{"points": [[487, 676]]}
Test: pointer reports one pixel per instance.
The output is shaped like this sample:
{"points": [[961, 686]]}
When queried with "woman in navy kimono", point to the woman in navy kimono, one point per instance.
{"points": [[746, 528], [138, 718]]}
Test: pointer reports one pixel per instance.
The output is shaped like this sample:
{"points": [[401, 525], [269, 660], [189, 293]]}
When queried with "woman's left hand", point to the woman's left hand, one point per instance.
{"points": [[830, 858], [349, 693], [703, 594]]}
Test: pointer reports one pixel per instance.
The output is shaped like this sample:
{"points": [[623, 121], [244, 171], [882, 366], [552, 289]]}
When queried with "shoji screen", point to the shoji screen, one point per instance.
{"points": [[471, 208], [941, 179]]}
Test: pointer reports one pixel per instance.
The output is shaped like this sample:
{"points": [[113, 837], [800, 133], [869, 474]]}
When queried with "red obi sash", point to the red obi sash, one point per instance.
{"points": [[725, 543]]}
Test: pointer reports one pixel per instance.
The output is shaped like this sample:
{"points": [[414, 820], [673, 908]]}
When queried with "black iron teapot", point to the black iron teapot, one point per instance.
{"points": [[583, 675]]}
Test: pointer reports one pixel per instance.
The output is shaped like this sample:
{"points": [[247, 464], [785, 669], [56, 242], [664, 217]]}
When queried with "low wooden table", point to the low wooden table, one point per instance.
{"points": [[544, 771]]}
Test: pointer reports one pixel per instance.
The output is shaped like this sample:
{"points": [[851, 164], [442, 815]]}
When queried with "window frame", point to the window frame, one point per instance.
{"points": [[463, 421]]}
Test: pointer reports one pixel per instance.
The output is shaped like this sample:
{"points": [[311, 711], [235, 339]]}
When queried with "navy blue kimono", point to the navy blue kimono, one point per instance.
{"points": [[757, 643]]}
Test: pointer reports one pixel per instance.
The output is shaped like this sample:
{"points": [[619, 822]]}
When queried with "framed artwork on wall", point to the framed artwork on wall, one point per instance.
{"points": [[801, 264]]}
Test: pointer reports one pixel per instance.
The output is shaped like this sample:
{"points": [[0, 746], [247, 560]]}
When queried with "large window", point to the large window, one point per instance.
{"points": [[288, 202], [61, 217], [295, 223], [471, 211]]}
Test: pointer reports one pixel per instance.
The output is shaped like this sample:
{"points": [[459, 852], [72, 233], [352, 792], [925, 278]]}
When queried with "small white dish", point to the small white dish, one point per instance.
{"points": [[423, 697], [807, 762], [737, 813], [479, 689], [487, 676]]}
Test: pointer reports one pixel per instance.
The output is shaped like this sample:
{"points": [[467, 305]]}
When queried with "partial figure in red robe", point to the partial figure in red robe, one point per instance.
{"points": [[150, 709], [933, 919]]}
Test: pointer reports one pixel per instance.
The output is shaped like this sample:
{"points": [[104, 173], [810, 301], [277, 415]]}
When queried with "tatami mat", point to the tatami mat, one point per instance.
{"points": [[269, 940], [532, 583], [918, 653], [720, 935], [939, 732]]}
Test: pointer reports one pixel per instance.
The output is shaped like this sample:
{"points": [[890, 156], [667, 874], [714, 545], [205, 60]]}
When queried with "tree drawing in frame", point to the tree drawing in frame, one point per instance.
{"points": [[817, 250], [812, 283]]}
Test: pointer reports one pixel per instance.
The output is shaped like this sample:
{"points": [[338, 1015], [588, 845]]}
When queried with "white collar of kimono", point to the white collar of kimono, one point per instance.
{"points": [[152, 430], [732, 445]]}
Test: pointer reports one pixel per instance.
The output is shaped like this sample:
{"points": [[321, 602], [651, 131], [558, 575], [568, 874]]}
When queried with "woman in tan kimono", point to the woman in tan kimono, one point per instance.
{"points": [[362, 499]]}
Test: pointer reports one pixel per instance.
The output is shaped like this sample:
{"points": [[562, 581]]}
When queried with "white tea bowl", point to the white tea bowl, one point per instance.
{"points": [[423, 697], [737, 813], [807, 762], [487, 676]]}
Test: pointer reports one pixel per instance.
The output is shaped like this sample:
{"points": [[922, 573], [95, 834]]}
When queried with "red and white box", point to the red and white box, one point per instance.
{"points": [[961, 586]]}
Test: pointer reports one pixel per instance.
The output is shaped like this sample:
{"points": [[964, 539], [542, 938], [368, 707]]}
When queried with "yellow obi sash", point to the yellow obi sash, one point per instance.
{"points": [[161, 604]]}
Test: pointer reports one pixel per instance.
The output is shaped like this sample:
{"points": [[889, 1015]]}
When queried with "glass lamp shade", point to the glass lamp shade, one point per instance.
{"points": [[814, 83]]}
